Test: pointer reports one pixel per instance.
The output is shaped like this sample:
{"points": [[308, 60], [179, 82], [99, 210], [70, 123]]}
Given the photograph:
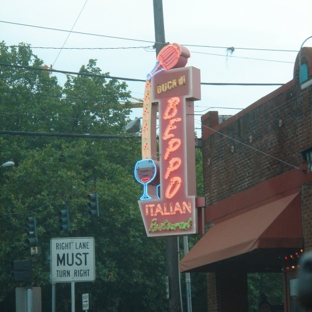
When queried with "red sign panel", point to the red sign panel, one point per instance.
{"points": [[173, 210]]}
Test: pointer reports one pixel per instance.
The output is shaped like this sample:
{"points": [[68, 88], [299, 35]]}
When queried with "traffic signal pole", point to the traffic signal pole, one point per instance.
{"points": [[172, 254], [22, 272], [29, 299]]}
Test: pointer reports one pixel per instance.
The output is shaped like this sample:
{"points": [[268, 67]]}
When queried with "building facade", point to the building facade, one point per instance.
{"points": [[258, 190]]}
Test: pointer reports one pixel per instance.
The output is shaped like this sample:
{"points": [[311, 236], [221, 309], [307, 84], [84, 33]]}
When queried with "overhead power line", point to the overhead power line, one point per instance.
{"points": [[66, 72], [70, 135], [70, 32], [251, 147], [86, 48], [137, 80], [76, 32], [238, 48], [244, 57], [151, 47], [244, 84], [148, 41]]}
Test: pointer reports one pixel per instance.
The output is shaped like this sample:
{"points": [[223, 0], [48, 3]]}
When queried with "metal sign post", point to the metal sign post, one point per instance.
{"points": [[29, 299], [73, 296], [53, 297]]}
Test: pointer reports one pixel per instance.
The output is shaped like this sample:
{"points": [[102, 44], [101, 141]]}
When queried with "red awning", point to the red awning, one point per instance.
{"points": [[274, 225]]}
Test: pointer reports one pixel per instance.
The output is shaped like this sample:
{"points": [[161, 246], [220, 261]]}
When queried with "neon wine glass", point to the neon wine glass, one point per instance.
{"points": [[145, 171]]}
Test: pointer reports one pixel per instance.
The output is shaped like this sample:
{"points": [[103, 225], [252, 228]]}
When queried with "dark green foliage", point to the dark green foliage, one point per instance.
{"points": [[52, 171], [199, 172], [264, 287]]}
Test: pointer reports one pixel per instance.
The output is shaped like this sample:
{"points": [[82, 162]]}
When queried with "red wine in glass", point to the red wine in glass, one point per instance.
{"points": [[145, 172]]}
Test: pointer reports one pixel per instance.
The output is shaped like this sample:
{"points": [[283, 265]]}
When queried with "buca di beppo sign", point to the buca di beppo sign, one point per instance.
{"points": [[168, 202]]}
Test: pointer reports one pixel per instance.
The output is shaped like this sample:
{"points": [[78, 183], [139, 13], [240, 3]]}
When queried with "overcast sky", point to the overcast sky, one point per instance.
{"points": [[124, 32]]}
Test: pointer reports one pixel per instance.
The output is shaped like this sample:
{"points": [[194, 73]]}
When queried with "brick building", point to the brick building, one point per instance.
{"points": [[258, 189]]}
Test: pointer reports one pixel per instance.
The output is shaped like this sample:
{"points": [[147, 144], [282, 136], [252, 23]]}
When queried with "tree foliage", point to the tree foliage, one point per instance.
{"points": [[50, 172], [266, 287]]}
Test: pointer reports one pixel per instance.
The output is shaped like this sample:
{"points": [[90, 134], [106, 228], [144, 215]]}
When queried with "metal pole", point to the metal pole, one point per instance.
{"points": [[187, 278], [171, 242], [72, 296], [159, 25], [53, 297], [173, 273], [29, 300], [180, 288]]}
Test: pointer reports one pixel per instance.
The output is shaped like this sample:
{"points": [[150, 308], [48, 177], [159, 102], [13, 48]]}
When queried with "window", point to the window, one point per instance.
{"points": [[303, 73]]}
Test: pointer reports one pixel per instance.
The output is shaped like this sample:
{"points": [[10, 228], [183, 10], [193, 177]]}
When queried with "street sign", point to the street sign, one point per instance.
{"points": [[85, 302], [34, 250], [72, 259]]}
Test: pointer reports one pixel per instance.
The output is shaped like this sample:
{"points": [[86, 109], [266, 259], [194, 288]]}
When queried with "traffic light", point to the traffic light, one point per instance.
{"points": [[31, 227], [93, 205], [64, 220], [22, 271]]}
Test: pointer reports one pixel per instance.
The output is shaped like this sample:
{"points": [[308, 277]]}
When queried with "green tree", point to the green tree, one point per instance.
{"points": [[52, 171], [264, 287]]}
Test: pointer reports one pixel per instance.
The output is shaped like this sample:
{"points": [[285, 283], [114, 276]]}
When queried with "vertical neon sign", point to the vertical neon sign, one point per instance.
{"points": [[174, 212]]}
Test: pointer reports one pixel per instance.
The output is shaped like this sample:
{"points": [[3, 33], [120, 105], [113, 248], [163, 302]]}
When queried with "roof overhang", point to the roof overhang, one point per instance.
{"points": [[274, 225]]}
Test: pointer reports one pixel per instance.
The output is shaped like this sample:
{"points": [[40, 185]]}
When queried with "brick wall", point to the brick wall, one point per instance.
{"points": [[212, 298], [306, 205], [257, 144]]}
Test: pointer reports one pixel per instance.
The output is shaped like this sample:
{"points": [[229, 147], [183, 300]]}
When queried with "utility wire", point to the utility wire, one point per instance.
{"points": [[134, 79], [235, 48], [147, 47], [70, 135], [196, 112], [70, 32], [239, 84], [76, 32], [244, 57], [148, 41], [251, 147], [72, 73], [200, 111], [111, 48]]}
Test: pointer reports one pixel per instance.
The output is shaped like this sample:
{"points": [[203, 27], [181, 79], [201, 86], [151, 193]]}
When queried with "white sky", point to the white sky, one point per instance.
{"points": [[266, 24]]}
